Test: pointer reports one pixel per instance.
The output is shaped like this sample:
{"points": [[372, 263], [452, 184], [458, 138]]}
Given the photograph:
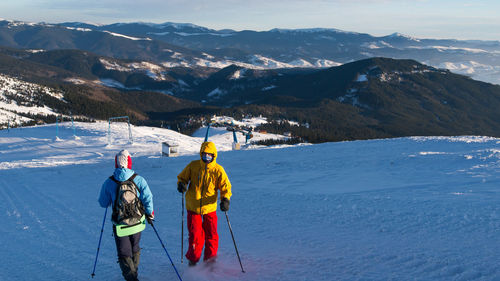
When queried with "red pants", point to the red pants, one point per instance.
{"points": [[202, 233]]}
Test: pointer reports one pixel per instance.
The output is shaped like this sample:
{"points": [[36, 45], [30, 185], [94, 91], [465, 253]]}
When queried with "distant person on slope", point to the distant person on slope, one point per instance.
{"points": [[201, 179], [132, 203]]}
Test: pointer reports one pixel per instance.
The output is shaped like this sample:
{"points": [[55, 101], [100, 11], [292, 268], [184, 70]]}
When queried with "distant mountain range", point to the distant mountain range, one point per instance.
{"points": [[188, 45], [178, 74], [371, 98]]}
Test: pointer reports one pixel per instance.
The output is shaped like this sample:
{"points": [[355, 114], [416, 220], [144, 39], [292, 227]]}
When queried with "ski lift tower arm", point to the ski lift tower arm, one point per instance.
{"points": [[234, 136]]}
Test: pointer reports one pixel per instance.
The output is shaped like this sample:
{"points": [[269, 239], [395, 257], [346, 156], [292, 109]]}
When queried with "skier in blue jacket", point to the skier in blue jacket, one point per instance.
{"points": [[128, 246]]}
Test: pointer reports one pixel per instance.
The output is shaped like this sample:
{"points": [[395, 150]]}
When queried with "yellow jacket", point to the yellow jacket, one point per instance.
{"points": [[204, 181]]}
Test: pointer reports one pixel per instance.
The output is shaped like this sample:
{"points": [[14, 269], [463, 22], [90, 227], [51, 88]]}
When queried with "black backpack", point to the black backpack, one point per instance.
{"points": [[128, 208]]}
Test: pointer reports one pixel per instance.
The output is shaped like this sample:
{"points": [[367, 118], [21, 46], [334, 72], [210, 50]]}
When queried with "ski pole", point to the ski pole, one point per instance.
{"points": [[154, 228], [99, 245], [182, 230], [234, 242]]}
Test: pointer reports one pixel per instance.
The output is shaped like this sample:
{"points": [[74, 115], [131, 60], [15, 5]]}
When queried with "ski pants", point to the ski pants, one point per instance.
{"points": [[202, 231], [127, 246]]}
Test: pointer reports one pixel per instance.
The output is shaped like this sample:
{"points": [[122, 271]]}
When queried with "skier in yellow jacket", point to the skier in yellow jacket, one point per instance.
{"points": [[201, 179]]}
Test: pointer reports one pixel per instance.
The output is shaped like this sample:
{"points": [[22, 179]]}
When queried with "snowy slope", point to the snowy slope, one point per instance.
{"points": [[423, 208], [17, 96]]}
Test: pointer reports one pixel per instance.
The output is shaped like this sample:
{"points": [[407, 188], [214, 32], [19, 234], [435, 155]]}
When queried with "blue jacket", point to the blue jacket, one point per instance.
{"points": [[108, 189]]}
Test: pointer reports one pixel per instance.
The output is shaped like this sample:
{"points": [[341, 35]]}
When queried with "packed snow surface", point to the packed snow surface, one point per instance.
{"points": [[422, 208]]}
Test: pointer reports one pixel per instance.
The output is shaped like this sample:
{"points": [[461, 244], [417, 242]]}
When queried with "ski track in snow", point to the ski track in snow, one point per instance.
{"points": [[423, 208]]}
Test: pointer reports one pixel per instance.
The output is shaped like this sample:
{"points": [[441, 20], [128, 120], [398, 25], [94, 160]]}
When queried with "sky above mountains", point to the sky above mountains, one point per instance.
{"points": [[458, 19]]}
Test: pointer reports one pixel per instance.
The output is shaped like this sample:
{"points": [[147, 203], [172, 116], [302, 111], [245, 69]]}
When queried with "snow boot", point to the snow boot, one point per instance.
{"points": [[210, 263], [192, 263], [211, 260], [128, 268]]}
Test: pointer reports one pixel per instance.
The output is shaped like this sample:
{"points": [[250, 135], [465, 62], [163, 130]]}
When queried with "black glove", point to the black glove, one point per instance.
{"points": [[182, 187], [150, 218], [224, 204]]}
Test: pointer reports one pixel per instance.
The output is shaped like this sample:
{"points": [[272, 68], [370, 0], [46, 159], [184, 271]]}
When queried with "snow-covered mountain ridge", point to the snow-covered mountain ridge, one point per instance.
{"points": [[276, 48], [19, 98], [458, 52], [403, 97]]}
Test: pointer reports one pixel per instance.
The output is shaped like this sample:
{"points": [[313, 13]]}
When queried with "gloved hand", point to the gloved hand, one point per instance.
{"points": [[182, 187], [224, 204], [151, 217]]}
